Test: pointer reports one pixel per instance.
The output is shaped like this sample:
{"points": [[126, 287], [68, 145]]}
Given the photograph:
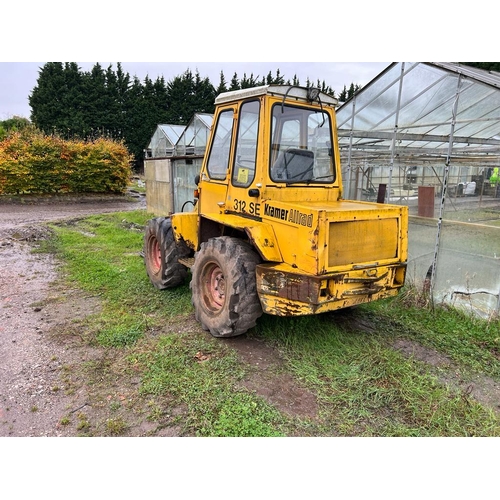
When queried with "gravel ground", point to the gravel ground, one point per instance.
{"points": [[32, 401]]}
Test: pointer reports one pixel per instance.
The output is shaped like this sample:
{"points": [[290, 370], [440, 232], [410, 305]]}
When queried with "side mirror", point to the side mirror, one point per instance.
{"points": [[197, 179]]}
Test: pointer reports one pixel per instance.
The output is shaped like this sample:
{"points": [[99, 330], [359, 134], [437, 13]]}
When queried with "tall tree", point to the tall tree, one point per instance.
{"points": [[96, 101], [222, 87], [180, 90], [122, 87], [72, 115], [235, 83], [111, 102], [248, 82], [103, 101], [278, 79], [161, 100], [488, 66], [46, 98], [347, 94], [189, 95], [203, 95], [133, 126]]}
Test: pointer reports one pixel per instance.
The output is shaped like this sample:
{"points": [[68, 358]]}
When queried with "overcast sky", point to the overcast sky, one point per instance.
{"points": [[213, 31], [17, 79]]}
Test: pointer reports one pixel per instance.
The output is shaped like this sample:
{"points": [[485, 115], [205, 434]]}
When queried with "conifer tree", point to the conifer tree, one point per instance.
{"points": [[45, 98], [278, 79], [235, 84], [180, 91], [133, 119], [203, 96], [112, 103], [222, 87], [248, 82], [72, 120], [88, 104], [95, 103], [122, 88]]}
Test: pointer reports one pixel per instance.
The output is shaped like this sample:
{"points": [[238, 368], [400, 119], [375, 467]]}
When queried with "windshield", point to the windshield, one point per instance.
{"points": [[301, 145]]}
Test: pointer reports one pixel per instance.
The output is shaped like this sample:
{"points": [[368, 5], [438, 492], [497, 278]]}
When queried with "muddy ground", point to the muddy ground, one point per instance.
{"points": [[37, 366]]}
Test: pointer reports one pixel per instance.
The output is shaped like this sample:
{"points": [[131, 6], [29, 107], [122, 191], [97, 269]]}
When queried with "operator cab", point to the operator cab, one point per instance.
{"points": [[291, 128]]}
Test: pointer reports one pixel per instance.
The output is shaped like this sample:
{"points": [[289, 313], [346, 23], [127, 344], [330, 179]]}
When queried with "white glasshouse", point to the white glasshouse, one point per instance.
{"points": [[164, 139], [428, 134], [170, 172]]}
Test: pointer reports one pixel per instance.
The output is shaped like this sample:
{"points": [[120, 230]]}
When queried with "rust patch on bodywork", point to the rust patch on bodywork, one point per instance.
{"points": [[290, 286], [286, 293]]}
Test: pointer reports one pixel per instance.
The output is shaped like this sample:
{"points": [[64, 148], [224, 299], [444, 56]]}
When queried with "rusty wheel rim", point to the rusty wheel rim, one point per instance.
{"points": [[214, 287], [154, 254]]}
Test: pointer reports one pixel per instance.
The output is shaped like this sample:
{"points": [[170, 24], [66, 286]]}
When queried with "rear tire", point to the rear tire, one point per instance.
{"points": [[161, 254], [223, 287]]}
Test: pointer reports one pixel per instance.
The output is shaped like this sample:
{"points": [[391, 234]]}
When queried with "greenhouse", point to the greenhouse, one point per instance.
{"points": [[164, 139], [194, 138], [427, 135], [170, 176]]}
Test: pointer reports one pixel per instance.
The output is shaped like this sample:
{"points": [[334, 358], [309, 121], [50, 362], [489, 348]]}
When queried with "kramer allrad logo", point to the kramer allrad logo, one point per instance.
{"points": [[292, 215]]}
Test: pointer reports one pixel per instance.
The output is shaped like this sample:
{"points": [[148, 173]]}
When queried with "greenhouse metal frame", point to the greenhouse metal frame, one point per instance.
{"points": [[430, 132]]}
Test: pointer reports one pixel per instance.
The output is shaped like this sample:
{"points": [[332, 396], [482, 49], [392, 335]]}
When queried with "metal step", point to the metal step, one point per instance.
{"points": [[187, 261]]}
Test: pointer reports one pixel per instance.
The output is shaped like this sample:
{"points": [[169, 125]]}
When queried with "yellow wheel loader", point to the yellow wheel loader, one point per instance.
{"points": [[270, 232]]}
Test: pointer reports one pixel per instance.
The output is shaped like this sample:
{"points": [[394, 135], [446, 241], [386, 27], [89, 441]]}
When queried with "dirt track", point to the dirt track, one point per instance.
{"points": [[31, 400]]}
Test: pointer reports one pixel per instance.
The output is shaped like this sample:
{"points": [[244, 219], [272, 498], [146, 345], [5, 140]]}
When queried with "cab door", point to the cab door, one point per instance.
{"points": [[243, 195]]}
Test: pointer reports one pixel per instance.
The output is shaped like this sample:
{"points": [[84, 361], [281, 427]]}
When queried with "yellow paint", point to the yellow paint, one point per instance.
{"points": [[185, 227]]}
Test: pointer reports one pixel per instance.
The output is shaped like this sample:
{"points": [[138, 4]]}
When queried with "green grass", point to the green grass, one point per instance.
{"points": [[206, 389], [368, 388], [473, 343], [363, 384], [102, 254]]}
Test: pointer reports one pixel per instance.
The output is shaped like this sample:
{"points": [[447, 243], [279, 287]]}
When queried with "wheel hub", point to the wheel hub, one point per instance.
{"points": [[215, 287], [154, 254]]}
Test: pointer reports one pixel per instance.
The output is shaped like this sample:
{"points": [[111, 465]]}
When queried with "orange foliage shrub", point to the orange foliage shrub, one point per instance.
{"points": [[32, 162]]}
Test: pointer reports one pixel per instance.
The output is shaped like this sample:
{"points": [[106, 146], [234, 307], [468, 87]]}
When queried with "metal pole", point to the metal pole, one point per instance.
{"points": [[348, 190], [444, 186], [395, 132]]}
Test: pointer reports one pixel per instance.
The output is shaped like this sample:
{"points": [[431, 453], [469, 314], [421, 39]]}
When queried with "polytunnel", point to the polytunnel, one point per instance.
{"points": [[427, 135]]}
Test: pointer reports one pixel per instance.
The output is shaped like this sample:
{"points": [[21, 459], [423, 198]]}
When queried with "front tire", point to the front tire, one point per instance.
{"points": [[161, 254], [223, 287]]}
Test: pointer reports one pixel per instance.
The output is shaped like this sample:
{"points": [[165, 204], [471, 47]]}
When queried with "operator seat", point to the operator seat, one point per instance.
{"points": [[293, 165]]}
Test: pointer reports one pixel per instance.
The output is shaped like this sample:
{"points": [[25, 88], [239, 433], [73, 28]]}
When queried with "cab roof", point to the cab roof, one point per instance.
{"points": [[290, 91]]}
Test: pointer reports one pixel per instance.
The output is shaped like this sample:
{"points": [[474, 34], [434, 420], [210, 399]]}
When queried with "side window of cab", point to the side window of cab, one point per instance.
{"points": [[218, 161]]}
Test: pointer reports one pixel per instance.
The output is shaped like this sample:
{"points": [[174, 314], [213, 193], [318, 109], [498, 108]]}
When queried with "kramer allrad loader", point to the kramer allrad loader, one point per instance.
{"points": [[270, 232]]}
